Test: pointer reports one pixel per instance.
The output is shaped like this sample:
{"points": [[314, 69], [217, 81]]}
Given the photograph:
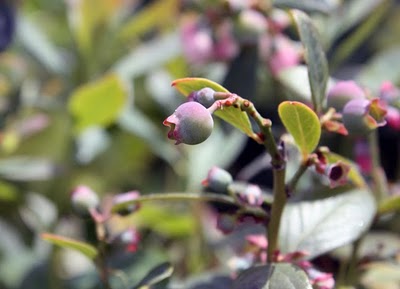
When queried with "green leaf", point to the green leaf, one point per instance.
{"points": [[314, 56], [98, 103], [320, 226], [8, 192], [302, 123], [364, 30], [232, 115], [324, 6], [391, 204], [37, 43], [273, 276], [163, 220], [382, 67], [156, 275], [381, 275], [85, 248], [158, 14]]}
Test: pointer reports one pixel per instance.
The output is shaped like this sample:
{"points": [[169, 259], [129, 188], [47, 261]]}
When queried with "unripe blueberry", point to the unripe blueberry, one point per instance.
{"points": [[342, 92], [83, 199], [191, 123], [126, 197], [204, 96], [218, 180], [361, 116]]}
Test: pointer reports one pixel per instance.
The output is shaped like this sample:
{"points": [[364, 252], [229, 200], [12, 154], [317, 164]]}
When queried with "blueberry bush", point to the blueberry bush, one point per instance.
{"points": [[186, 144]]}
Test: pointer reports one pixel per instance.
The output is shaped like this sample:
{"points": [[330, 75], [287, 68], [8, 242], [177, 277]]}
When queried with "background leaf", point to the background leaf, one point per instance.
{"points": [[324, 6], [158, 14], [382, 67], [391, 204], [274, 276], [232, 115], [99, 102], [156, 275], [320, 226], [314, 57], [302, 123], [85, 248]]}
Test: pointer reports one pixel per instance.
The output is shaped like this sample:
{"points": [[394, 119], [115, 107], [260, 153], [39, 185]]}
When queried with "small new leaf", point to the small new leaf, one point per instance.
{"points": [[302, 123]]}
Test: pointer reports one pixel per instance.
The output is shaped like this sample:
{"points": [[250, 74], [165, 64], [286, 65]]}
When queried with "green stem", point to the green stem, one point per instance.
{"points": [[351, 270], [377, 173], [204, 197], [278, 168], [291, 185], [102, 266], [278, 205]]}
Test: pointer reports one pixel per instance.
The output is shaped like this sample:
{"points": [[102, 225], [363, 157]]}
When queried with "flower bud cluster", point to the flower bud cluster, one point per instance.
{"points": [[218, 34], [86, 203], [246, 196]]}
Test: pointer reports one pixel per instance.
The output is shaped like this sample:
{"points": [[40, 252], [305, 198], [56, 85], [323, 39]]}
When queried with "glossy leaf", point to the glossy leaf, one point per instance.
{"points": [[85, 248], [314, 56], [232, 115], [389, 205], [273, 276], [323, 225], [156, 275], [98, 103], [302, 123]]}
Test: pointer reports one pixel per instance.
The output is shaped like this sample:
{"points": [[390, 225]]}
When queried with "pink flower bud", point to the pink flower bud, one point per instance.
{"points": [[393, 118], [83, 199], [126, 197]]}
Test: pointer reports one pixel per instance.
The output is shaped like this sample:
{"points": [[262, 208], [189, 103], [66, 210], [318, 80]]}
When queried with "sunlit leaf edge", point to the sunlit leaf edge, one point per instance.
{"points": [[85, 248]]}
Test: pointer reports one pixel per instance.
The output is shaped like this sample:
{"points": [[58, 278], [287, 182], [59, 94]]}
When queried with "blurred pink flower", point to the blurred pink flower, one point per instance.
{"points": [[197, 42], [393, 118], [285, 53]]}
